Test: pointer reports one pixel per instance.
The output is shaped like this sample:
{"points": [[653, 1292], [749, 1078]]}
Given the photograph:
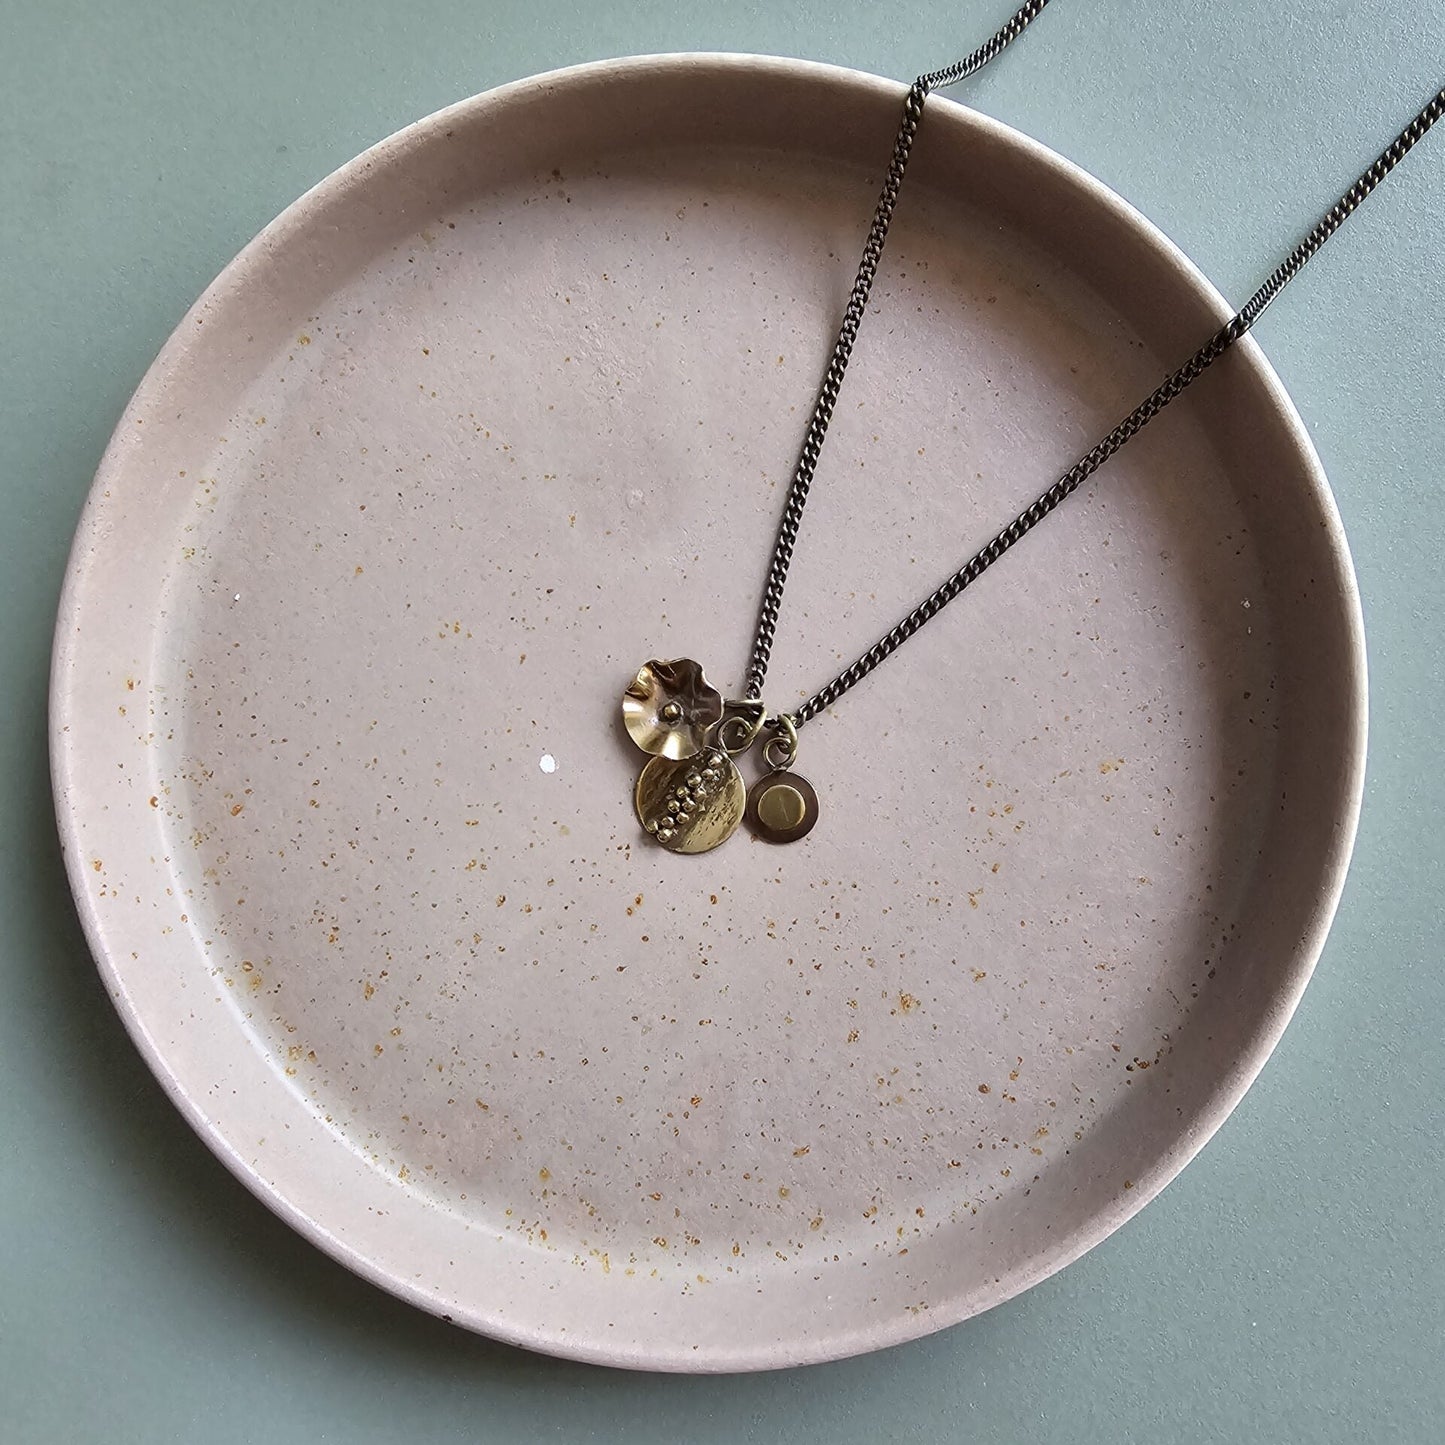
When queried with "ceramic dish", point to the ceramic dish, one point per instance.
{"points": [[506, 407]]}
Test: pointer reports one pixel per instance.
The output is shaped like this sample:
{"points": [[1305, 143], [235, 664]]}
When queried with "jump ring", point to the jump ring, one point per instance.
{"points": [[782, 748]]}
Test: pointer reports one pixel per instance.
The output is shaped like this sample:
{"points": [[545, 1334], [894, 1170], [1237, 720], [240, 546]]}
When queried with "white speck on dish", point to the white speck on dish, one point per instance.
{"points": [[549, 763]]}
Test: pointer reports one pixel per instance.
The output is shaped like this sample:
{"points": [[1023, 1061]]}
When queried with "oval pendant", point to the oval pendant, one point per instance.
{"points": [[690, 805], [782, 807]]}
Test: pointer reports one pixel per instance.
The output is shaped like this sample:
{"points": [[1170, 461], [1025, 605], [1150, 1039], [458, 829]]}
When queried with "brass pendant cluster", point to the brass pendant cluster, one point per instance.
{"points": [[690, 795]]}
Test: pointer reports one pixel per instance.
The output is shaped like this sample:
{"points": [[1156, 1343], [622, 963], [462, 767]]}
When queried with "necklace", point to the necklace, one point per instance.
{"points": [[690, 796]]}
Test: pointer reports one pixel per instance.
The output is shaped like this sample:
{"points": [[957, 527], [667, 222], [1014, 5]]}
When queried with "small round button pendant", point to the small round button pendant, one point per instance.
{"points": [[782, 807]]}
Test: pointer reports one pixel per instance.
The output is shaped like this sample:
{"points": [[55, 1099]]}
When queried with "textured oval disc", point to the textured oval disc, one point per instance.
{"points": [[782, 807], [692, 804]]}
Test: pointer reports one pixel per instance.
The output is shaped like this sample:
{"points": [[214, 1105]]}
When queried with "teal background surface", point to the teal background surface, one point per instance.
{"points": [[1288, 1288]]}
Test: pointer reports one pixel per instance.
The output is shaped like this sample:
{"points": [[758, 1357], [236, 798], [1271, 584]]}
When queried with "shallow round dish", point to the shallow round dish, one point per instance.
{"points": [[505, 408]]}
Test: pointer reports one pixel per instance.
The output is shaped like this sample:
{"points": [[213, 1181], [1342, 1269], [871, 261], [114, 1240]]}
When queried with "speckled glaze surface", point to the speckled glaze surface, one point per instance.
{"points": [[504, 409]]}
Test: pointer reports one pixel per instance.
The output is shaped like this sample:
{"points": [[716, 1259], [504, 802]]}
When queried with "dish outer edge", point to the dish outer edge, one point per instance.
{"points": [[751, 1356]]}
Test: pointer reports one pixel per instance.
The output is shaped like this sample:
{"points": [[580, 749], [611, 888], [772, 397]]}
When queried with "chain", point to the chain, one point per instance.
{"points": [[853, 313], [1172, 386], [1137, 419]]}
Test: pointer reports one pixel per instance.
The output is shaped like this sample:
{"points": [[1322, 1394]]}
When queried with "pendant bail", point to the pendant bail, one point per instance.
{"points": [[738, 728]]}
